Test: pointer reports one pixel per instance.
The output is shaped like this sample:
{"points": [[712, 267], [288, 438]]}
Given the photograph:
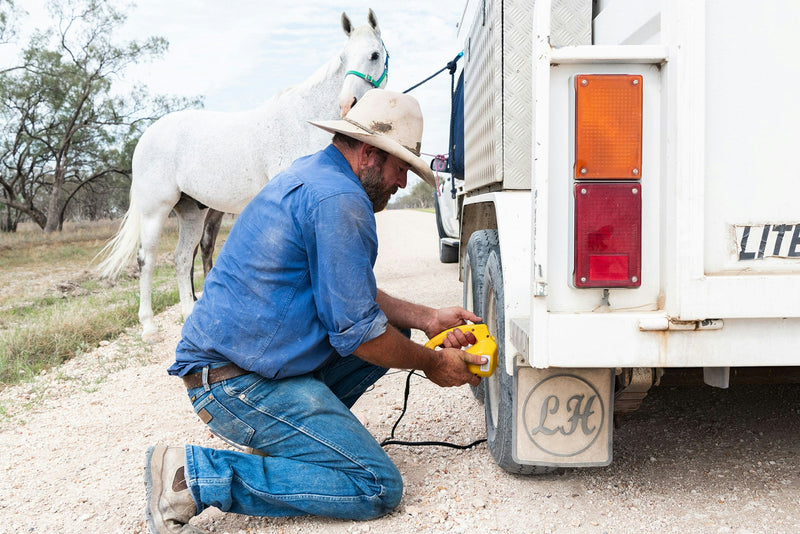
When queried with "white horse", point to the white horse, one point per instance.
{"points": [[192, 160]]}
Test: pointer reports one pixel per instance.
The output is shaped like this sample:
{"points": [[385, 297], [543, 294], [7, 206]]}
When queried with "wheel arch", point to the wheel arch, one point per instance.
{"points": [[509, 212], [475, 216]]}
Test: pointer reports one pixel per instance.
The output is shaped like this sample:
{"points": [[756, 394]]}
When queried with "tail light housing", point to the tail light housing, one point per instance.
{"points": [[607, 181]]}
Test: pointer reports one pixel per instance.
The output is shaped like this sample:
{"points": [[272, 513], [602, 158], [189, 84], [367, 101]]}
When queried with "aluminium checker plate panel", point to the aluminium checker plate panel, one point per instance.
{"points": [[499, 110], [481, 98], [517, 105]]}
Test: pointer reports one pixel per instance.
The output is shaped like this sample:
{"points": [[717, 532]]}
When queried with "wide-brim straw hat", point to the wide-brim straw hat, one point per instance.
{"points": [[387, 120]]}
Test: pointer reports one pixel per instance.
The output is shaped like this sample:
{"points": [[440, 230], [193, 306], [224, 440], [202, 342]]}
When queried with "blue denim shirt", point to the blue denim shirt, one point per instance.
{"points": [[293, 286]]}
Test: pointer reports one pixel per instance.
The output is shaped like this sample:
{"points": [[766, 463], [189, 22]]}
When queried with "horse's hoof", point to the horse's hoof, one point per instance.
{"points": [[152, 337]]}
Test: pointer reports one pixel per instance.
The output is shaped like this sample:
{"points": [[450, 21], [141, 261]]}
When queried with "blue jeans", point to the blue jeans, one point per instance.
{"points": [[322, 461]]}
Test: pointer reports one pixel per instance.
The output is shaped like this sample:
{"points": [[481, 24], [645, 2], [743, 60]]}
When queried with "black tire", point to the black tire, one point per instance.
{"points": [[499, 388], [480, 244]]}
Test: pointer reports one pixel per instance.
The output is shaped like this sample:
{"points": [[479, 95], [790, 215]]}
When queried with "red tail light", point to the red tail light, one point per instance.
{"points": [[608, 235]]}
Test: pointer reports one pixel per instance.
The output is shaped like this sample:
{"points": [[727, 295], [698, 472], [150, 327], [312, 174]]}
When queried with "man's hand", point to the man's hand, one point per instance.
{"points": [[449, 368], [458, 340], [445, 367], [445, 318]]}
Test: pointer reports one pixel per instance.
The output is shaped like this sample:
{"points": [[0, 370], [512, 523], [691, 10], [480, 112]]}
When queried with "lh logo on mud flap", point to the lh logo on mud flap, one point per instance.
{"points": [[563, 415]]}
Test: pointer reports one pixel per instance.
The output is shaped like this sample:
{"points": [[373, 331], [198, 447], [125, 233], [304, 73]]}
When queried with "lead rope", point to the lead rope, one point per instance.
{"points": [[451, 66], [391, 441]]}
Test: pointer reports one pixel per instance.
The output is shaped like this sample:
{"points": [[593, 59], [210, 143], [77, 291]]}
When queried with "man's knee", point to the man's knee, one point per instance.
{"points": [[394, 490], [391, 493]]}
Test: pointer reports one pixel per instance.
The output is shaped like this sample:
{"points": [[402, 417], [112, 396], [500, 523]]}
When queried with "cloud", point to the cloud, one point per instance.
{"points": [[238, 53]]}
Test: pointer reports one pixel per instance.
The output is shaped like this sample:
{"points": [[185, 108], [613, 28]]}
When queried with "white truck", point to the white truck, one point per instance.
{"points": [[629, 209]]}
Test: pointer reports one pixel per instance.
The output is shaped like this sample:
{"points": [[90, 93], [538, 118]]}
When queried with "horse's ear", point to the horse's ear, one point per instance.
{"points": [[373, 21], [347, 26]]}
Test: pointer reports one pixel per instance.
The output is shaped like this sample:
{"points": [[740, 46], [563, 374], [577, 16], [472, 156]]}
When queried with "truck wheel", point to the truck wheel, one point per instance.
{"points": [[498, 393], [480, 244]]}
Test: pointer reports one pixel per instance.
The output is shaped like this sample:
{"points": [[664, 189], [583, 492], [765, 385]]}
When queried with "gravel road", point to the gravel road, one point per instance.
{"points": [[690, 460]]}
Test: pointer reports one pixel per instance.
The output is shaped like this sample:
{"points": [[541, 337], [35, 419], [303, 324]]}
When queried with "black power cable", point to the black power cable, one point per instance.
{"points": [[391, 441]]}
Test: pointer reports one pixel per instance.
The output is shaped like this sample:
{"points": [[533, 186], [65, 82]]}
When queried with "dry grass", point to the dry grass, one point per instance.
{"points": [[52, 303]]}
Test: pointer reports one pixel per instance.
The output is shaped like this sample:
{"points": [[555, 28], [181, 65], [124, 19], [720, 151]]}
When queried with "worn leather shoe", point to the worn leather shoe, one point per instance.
{"points": [[170, 505]]}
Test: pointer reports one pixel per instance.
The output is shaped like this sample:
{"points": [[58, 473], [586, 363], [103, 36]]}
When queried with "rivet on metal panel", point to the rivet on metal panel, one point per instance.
{"points": [[635, 172], [583, 279], [635, 190], [635, 82], [584, 170], [584, 82], [634, 279]]}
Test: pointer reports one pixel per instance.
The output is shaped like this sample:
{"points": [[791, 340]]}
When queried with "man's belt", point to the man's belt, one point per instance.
{"points": [[215, 374]]}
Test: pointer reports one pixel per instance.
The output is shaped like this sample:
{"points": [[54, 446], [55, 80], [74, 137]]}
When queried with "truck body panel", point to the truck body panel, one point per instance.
{"points": [[718, 285]]}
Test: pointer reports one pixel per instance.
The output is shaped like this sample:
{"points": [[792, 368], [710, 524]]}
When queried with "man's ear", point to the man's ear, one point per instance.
{"points": [[366, 154]]}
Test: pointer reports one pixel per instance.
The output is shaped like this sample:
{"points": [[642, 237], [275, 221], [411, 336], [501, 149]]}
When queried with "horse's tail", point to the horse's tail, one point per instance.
{"points": [[123, 247]]}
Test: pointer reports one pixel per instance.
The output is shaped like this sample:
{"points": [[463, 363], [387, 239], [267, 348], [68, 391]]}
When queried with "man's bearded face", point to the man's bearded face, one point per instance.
{"points": [[373, 181]]}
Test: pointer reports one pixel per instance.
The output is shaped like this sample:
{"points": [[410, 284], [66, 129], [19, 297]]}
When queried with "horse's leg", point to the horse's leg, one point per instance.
{"points": [[210, 232], [191, 273], [190, 230], [152, 224]]}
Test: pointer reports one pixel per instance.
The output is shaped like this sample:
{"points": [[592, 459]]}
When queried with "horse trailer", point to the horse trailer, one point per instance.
{"points": [[627, 210]]}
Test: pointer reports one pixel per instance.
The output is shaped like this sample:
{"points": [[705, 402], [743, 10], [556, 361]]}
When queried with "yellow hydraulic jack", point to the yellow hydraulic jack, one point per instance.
{"points": [[485, 345]]}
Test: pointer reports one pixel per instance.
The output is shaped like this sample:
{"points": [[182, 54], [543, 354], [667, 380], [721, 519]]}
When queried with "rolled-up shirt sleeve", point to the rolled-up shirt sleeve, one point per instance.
{"points": [[342, 245]]}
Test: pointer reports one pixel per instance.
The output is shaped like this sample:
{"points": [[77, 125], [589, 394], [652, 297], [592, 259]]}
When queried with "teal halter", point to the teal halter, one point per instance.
{"points": [[369, 79]]}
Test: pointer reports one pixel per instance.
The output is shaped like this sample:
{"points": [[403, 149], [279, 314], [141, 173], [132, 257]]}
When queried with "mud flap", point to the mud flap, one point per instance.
{"points": [[563, 417]]}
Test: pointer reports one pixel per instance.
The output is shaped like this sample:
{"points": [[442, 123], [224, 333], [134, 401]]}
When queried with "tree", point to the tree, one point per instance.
{"points": [[420, 196], [63, 133], [9, 13]]}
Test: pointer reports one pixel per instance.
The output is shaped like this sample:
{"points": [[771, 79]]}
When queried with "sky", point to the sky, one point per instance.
{"points": [[237, 53]]}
